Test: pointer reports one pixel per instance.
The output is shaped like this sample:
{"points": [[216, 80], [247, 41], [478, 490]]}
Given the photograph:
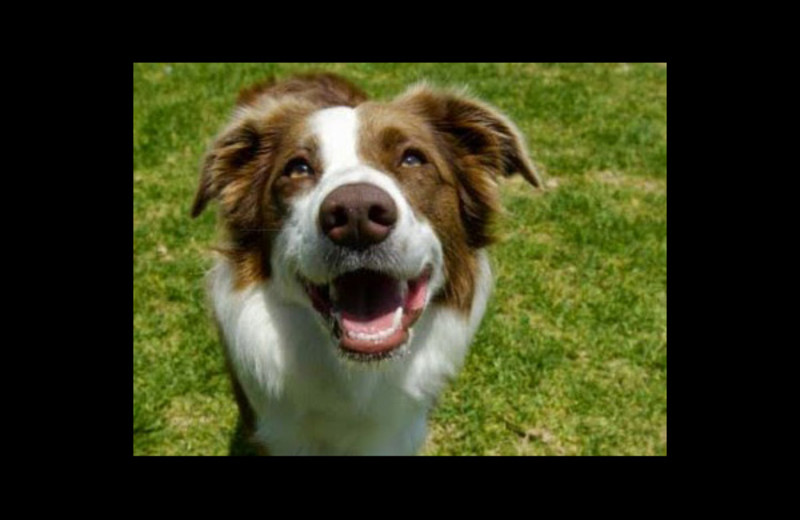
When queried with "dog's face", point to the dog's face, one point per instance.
{"points": [[364, 213]]}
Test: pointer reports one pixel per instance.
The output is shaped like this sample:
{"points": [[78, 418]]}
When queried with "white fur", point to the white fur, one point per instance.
{"points": [[306, 397], [308, 401], [301, 248]]}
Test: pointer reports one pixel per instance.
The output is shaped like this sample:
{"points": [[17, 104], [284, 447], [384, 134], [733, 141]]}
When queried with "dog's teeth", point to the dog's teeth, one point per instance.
{"points": [[398, 317], [397, 320]]}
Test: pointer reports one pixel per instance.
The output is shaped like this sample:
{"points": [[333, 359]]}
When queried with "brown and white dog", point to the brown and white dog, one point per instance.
{"points": [[354, 275]]}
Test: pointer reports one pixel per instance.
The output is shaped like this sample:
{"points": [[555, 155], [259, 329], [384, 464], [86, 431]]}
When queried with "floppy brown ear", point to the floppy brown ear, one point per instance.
{"points": [[223, 172], [481, 145], [223, 167], [206, 190], [475, 130]]}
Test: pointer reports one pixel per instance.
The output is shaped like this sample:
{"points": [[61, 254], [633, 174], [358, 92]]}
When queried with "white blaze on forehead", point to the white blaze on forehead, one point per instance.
{"points": [[337, 133], [336, 130]]}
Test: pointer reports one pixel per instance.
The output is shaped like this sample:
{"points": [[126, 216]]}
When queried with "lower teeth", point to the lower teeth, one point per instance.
{"points": [[381, 335]]}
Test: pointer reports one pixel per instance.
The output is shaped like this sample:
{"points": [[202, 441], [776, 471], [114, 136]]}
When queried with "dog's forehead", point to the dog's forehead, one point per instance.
{"points": [[346, 136], [336, 130]]}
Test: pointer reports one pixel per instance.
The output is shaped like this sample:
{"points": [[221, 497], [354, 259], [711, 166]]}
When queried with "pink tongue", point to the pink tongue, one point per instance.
{"points": [[367, 301], [356, 324]]}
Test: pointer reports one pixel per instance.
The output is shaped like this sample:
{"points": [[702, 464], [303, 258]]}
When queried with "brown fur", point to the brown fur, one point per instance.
{"points": [[323, 89], [238, 172], [467, 143], [467, 146], [243, 169]]}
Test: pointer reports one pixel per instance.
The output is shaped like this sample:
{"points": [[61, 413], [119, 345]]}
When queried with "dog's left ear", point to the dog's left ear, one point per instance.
{"points": [[480, 144], [475, 130]]}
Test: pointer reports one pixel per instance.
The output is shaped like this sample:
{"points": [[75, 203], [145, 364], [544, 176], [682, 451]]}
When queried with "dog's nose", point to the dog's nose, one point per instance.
{"points": [[357, 216]]}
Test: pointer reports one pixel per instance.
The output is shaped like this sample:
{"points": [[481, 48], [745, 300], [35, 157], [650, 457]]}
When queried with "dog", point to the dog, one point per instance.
{"points": [[354, 274]]}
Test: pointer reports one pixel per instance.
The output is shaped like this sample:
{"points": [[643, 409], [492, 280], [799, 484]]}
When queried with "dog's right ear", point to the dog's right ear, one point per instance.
{"points": [[224, 174], [222, 171], [205, 191]]}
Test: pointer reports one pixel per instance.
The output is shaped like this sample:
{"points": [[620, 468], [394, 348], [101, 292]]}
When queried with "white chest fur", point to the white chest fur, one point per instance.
{"points": [[308, 400]]}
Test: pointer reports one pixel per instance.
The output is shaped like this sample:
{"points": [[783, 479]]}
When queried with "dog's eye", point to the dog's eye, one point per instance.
{"points": [[297, 168], [412, 158]]}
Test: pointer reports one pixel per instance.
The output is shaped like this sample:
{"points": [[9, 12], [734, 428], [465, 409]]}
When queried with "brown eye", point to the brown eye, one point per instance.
{"points": [[298, 168], [413, 158]]}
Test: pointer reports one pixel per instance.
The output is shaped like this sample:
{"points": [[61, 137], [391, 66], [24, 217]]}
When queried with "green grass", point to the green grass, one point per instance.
{"points": [[571, 356]]}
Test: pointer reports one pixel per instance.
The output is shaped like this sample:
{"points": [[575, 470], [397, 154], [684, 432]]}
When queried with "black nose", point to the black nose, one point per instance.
{"points": [[357, 216]]}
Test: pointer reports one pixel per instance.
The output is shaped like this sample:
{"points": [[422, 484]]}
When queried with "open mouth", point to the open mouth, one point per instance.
{"points": [[371, 312]]}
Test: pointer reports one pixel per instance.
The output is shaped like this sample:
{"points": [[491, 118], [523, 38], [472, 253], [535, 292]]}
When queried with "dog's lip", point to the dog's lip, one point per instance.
{"points": [[375, 316]]}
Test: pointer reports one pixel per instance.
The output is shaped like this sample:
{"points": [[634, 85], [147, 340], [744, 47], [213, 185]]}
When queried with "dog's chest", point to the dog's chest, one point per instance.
{"points": [[321, 416]]}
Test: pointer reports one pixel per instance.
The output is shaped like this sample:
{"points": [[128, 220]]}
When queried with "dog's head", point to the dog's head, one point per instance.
{"points": [[365, 213]]}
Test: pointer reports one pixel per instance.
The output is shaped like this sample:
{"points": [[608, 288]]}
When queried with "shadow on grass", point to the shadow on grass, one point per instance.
{"points": [[239, 445]]}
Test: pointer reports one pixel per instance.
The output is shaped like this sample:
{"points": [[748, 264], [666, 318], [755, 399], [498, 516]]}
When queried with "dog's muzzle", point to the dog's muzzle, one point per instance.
{"points": [[369, 305]]}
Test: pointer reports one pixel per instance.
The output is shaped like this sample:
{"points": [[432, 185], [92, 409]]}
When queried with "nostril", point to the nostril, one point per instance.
{"points": [[339, 216], [333, 217], [382, 214]]}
